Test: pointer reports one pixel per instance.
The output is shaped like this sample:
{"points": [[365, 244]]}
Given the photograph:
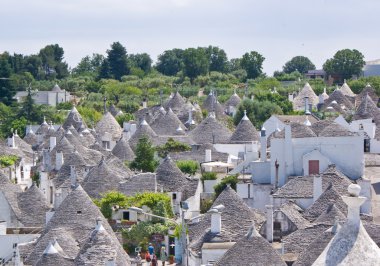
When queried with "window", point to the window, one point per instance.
{"points": [[22, 172], [249, 190], [51, 195], [174, 196], [106, 145], [125, 215], [79, 212]]}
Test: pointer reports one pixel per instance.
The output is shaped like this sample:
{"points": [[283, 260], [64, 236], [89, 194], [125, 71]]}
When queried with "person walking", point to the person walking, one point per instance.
{"points": [[163, 255], [154, 260], [151, 249]]}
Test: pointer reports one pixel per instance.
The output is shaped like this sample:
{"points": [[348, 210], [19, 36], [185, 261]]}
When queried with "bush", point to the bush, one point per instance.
{"points": [[7, 160], [187, 166], [144, 160], [231, 180], [171, 146], [208, 176]]}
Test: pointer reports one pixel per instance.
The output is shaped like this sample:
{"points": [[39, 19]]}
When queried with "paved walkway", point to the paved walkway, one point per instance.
{"points": [[373, 173]]}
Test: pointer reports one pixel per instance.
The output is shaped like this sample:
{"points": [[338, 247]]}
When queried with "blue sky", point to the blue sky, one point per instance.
{"points": [[278, 29]]}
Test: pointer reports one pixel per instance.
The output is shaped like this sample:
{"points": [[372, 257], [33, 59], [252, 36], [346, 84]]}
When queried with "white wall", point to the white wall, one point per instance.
{"points": [[261, 172], [345, 152], [5, 211], [194, 202], [212, 255], [315, 155], [209, 185], [234, 149], [272, 124], [304, 203], [7, 241], [367, 126], [255, 195]]}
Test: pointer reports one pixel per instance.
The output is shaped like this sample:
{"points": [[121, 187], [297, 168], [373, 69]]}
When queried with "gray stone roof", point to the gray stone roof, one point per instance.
{"points": [[176, 103], [331, 215], [142, 130], [346, 90], [113, 110], [336, 130], [167, 124], [252, 250], [234, 101], [144, 182], [323, 203], [100, 248], [297, 130], [123, 151], [302, 186], [43, 129], [299, 240], [296, 118], [102, 179], [31, 138], [169, 177], [299, 100], [74, 119], [367, 109], [91, 157], [198, 154], [340, 99], [235, 210], [72, 224], [244, 132], [319, 126], [371, 93], [54, 259], [108, 124], [294, 213], [86, 138], [210, 131]]}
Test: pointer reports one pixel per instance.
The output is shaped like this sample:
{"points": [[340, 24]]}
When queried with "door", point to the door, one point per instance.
{"points": [[313, 167]]}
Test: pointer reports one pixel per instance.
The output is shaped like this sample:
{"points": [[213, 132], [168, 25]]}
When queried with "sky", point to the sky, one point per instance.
{"points": [[277, 29]]}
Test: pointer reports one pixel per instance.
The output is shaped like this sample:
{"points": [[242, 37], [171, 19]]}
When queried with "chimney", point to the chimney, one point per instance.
{"points": [[269, 225], [49, 215], [208, 159], [216, 221], [263, 145], [307, 111], [12, 142], [290, 97], [52, 143], [73, 176], [317, 187], [46, 160], [144, 103], [354, 201], [133, 129], [99, 225], [58, 160], [3, 228], [321, 100]]}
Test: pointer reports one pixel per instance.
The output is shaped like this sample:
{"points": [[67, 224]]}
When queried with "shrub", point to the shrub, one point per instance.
{"points": [[144, 160], [7, 160], [231, 180], [171, 146], [187, 166], [208, 176]]}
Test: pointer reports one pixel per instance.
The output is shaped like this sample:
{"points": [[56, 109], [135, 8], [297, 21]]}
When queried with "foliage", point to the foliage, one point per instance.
{"points": [[89, 115], [172, 146], [141, 61], [140, 233], [124, 118], [109, 200], [36, 178], [206, 205], [8, 160], [345, 63], [117, 60], [299, 64], [64, 106], [170, 62], [52, 62], [358, 85], [293, 76], [159, 203], [257, 112], [208, 176], [188, 166], [217, 59], [144, 160], [252, 62], [195, 62], [231, 180]]}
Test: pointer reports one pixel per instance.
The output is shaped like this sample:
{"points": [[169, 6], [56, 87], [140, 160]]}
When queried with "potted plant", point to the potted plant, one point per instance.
{"points": [[171, 259]]}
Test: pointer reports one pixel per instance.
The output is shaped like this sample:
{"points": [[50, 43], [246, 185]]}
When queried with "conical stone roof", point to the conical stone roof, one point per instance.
{"points": [[299, 100], [123, 151], [167, 125], [368, 90], [170, 177], [367, 109], [234, 100], [210, 131], [244, 132], [176, 103], [75, 119], [143, 130], [252, 249], [346, 90], [340, 99], [108, 124]]}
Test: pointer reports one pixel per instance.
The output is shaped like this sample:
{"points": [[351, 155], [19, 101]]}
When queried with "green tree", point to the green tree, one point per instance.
{"points": [[195, 62], [104, 70], [144, 160], [345, 64], [6, 90], [33, 65], [171, 146], [52, 61], [118, 60], [231, 180], [89, 65], [28, 105], [298, 63], [110, 199], [217, 59], [257, 112], [252, 62], [170, 62], [142, 61]]}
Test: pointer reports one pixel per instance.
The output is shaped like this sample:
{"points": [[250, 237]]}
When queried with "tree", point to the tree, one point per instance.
{"points": [[28, 105], [144, 160], [52, 61], [217, 59], [6, 90], [298, 63], [170, 62], [104, 70], [252, 63], [195, 62], [257, 112], [231, 180], [142, 61], [345, 64], [118, 60], [89, 65]]}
